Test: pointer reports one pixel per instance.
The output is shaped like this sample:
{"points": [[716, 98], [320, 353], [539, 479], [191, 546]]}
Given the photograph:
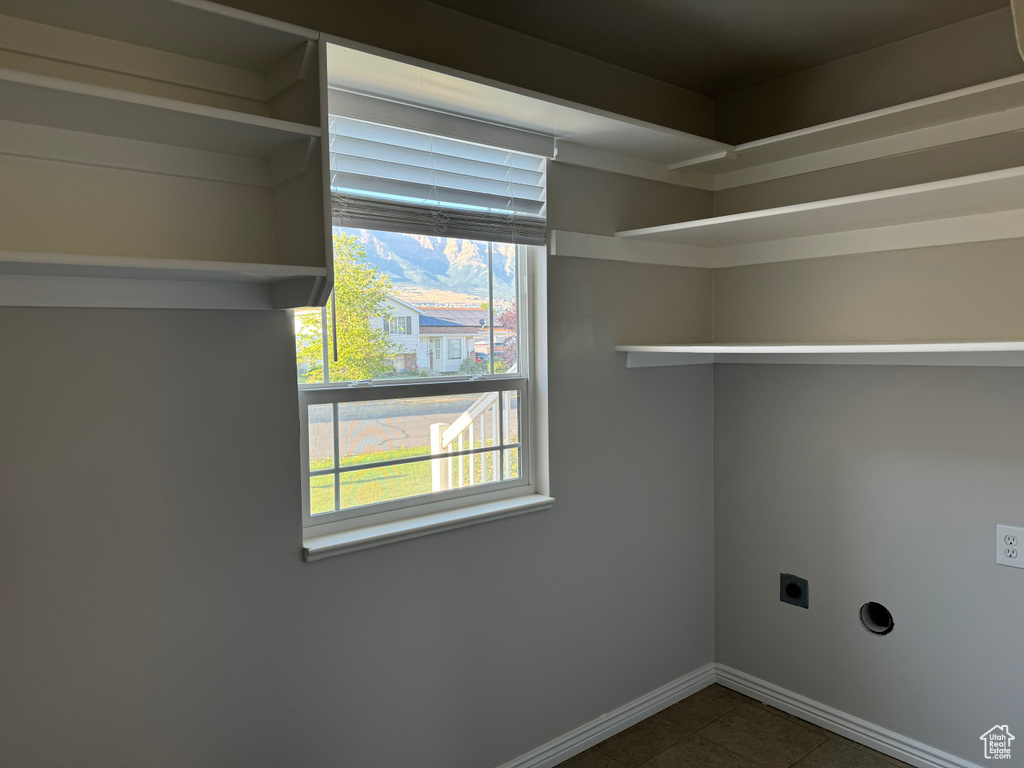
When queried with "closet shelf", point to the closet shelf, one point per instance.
{"points": [[74, 280], [193, 28], [49, 101], [947, 353], [982, 193], [996, 102]]}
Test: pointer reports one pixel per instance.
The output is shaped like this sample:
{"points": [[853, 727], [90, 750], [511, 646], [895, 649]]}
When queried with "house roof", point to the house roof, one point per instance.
{"points": [[448, 317], [426, 321], [464, 317]]}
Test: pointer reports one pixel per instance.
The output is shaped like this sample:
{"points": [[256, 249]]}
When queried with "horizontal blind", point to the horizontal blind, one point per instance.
{"points": [[383, 177]]}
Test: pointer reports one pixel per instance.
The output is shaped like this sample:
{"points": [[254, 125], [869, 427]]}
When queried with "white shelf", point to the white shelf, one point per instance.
{"points": [[947, 353], [74, 280], [194, 28], [951, 198], [167, 140], [49, 101], [921, 123], [360, 69]]}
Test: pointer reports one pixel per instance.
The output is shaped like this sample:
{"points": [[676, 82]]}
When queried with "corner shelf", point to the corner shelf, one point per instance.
{"points": [[197, 29], [160, 153], [981, 110], [941, 353], [27, 97], [981, 193]]}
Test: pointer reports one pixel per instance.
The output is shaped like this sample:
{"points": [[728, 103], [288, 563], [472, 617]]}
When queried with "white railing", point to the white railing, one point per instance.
{"points": [[479, 426]]}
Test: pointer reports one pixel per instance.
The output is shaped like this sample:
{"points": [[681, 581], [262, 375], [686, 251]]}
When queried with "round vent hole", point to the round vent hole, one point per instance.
{"points": [[876, 618]]}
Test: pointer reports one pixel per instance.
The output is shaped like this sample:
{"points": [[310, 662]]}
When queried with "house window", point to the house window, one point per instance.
{"points": [[381, 441], [398, 326]]}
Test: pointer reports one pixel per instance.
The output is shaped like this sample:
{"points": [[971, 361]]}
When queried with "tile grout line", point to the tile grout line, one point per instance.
{"points": [[821, 743], [726, 749], [688, 733], [827, 736], [751, 762], [709, 741]]}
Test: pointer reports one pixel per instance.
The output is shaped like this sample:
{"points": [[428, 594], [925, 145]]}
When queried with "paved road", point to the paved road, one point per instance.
{"points": [[374, 427]]}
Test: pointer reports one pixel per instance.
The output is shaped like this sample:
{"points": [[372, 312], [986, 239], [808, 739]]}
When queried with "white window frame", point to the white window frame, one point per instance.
{"points": [[372, 525]]}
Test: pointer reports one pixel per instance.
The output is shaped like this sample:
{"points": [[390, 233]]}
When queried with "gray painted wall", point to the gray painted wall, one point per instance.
{"points": [[963, 158], [964, 292], [957, 56], [155, 609], [880, 484], [602, 203]]}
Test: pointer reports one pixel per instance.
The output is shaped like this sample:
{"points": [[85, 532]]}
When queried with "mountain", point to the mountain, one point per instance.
{"points": [[439, 270]]}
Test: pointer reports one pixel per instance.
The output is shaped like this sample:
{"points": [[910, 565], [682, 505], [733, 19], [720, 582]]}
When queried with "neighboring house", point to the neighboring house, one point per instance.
{"points": [[438, 338], [404, 329], [448, 336]]}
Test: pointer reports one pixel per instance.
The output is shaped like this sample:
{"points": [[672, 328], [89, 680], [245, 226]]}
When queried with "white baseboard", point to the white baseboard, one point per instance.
{"points": [[572, 743], [870, 735]]}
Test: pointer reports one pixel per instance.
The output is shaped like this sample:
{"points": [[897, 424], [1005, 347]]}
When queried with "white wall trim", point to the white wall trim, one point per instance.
{"points": [[597, 730], [607, 725], [870, 735]]}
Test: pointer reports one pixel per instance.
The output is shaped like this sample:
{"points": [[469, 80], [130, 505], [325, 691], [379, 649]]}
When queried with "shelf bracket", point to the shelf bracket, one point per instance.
{"points": [[295, 292], [724, 154], [658, 360], [293, 159], [291, 69]]}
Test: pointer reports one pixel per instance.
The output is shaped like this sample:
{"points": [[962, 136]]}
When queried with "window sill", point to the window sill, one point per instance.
{"points": [[317, 547]]}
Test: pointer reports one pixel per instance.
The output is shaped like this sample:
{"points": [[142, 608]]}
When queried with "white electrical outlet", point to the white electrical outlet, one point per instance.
{"points": [[1009, 547]]}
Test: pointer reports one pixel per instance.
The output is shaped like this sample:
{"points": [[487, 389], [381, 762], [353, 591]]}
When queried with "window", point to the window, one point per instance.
{"points": [[399, 326], [394, 426]]}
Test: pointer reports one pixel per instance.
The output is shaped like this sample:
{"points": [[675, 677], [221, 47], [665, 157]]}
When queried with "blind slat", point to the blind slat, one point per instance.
{"points": [[374, 150], [402, 137], [415, 193], [362, 212], [430, 178], [402, 180]]}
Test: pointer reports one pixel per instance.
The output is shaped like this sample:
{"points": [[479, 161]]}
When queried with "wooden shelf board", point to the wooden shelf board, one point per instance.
{"points": [[950, 353], [48, 101], [988, 98], [951, 198]]}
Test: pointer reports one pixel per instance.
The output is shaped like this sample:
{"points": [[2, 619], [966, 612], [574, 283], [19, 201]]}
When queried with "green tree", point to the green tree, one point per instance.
{"points": [[359, 297]]}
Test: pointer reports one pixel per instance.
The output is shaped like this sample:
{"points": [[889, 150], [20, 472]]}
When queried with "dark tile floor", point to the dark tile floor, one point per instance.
{"points": [[718, 728]]}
